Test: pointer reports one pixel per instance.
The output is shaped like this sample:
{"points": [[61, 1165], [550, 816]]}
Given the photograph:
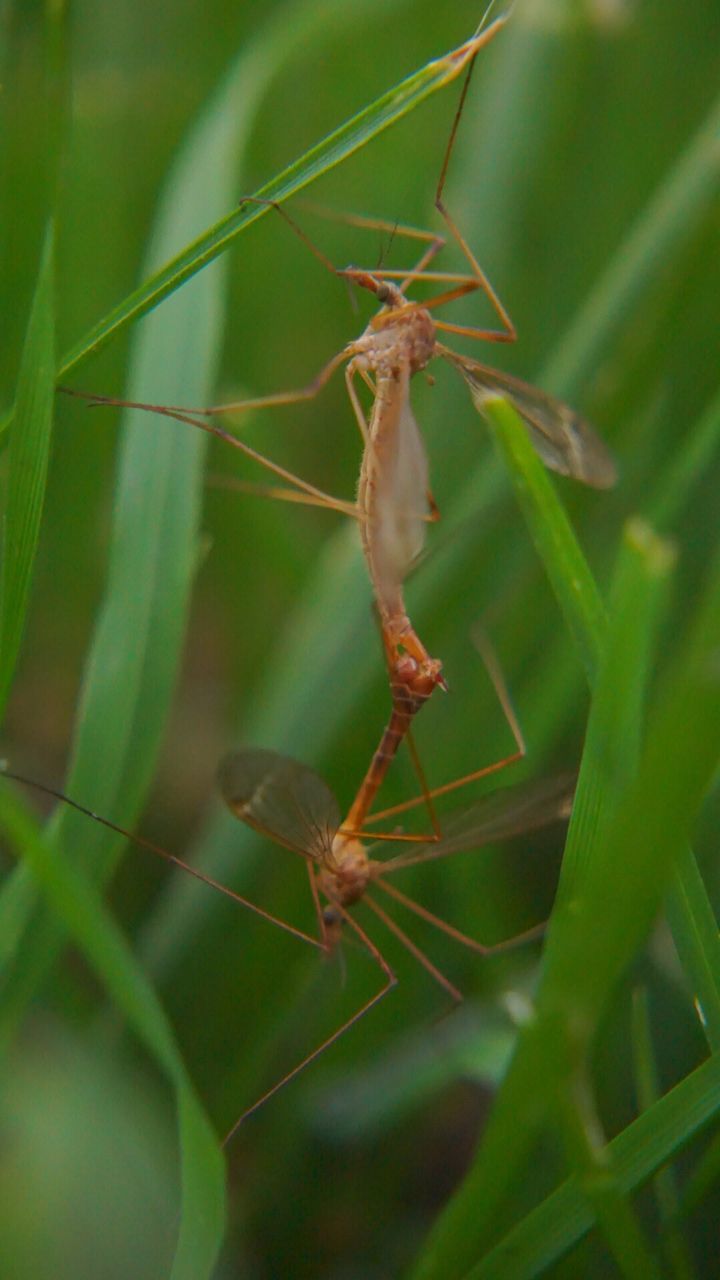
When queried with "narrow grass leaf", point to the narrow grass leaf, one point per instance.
{"points": [[570, 995], [278, 39], [647, 1090], [27, 466], [94, 931], [695, 934], [609, 763], [551, 532], [651, 823], [616, 1221], [550, 1231], [691, 916]]}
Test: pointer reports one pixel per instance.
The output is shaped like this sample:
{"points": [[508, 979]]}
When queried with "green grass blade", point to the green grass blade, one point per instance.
{"points": [[616, 1221], [623, 886], [72, 899], [569, 997], [691, 916], [647, 1144], [132, 665], [695, 934], [282, 36], [551, 532], [612, 744], [27, 466], [647, 1089]]}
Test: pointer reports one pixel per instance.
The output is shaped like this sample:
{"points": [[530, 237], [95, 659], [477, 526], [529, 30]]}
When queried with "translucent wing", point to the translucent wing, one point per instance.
{"points": [[498, 816], [563, 439], [282, 799]]}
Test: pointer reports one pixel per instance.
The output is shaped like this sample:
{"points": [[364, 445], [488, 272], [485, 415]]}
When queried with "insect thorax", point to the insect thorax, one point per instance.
{"points": [[346, 879], [396, 338]]}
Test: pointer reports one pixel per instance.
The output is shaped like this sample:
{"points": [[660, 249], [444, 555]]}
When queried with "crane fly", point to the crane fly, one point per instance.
{"points": [[393, 503], [295, 808]]}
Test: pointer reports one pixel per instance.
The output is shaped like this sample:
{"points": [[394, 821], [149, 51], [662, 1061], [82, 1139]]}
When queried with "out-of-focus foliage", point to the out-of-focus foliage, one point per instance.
{"points": [[195, 618]]}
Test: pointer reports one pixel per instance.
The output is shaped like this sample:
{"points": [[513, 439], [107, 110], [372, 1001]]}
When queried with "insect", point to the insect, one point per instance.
{"points": [[293, 806], [393, 503]]}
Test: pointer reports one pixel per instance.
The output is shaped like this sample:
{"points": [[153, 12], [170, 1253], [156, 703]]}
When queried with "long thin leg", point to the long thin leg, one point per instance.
{"points": [[294, 396], [477, 278], [420, 774], [414, 950], [390, 982], [237, 485], [486, 772], [434, 241], [483, 949], [478, 273], [466, 284], [319, 497], [158, 850], [369, 222]]}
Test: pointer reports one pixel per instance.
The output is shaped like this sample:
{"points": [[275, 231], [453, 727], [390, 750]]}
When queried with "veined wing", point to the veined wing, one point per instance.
{"points": [[563, 439], [281, 798], [508, 812]]}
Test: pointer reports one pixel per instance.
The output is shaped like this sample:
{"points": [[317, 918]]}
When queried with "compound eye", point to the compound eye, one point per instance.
{"points": [[331, 917], [383, 292]]}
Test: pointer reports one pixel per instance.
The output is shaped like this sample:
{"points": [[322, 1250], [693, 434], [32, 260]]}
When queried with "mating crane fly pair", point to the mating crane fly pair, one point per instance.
{"points": [[391, 506], [288, 801]]}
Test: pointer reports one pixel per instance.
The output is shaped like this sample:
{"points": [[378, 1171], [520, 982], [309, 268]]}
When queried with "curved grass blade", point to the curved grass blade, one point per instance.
{"points": [[644, 1147], [540, 1069], [690, 912], [648, 1090], [280, 38], [552, 534], [76, 904]]}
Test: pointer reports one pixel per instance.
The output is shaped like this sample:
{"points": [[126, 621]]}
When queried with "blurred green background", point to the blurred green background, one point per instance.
{"points": [[575, 118]]}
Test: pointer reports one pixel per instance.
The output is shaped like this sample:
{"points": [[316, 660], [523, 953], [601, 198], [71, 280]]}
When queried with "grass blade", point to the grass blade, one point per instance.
{"points": [[647, 1089], [28, 463], [622, 885], [552, 534], [659, 1134], [281, 37], [72, 899]]}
